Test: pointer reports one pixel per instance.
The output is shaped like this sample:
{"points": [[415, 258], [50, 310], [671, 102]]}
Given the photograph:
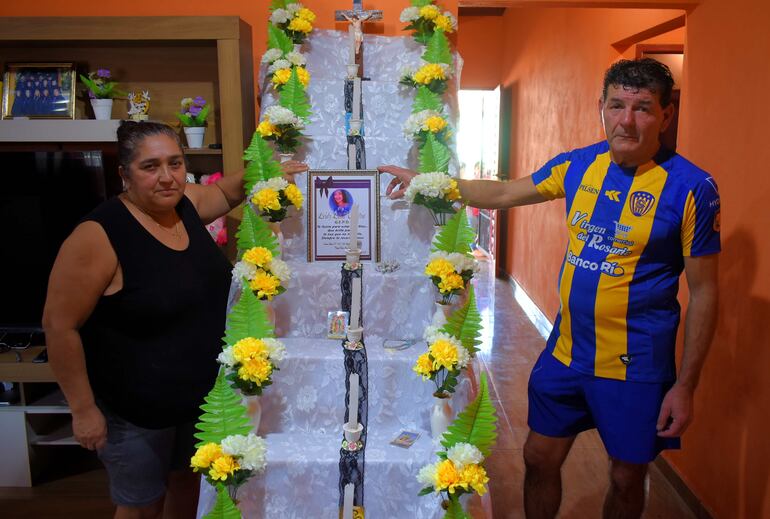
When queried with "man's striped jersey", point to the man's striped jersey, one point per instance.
{"points": [[629, 231]]}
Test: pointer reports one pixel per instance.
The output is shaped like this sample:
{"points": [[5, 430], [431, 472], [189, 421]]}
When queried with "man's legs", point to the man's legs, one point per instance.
{"points": [[543, 458], [625, 497]]}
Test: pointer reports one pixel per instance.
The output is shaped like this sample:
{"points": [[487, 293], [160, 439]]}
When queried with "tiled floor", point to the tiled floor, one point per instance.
{"points": [[511, 345]]}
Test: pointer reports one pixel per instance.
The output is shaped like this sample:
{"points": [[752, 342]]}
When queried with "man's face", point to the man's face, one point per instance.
{"points": [[633, 121]]}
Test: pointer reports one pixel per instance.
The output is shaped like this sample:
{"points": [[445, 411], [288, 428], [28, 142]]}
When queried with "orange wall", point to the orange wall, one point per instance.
{"points": [[480, 44]]}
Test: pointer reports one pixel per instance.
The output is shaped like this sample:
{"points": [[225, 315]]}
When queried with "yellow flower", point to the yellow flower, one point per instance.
{"points": [[258, 256], [449, 282], [250, 348], [429, 12], [444, 354], [294, 195], [300, 25], [281, 76], [205, 456], [267, 199], [475, 476], [435, 123], [255, 370], [454, 191], [223, 467], [439, 267], [303, 75], [423, 366], [447, 477], [444, 23], [306, 14], [266, 128], [428, 73], [265, 285]]}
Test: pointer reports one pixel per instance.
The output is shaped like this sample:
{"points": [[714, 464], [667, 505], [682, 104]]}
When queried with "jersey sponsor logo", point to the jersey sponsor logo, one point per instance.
{"points": [[596, 241], [612, 195], [610, 268], [621, 230], [640, 203], [589, 189], [578, 216]]}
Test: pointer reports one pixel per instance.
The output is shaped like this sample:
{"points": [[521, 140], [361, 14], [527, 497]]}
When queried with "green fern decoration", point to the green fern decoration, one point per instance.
{"points": [[437, 50], [456, 236], [294, 97], [224, 508], [434, 156], [277, 4], [476, 424], [455, 509], [254, 232], [426, 100], [421, 3], [223, 415], [277, 39], [260, 163], [247, 318], [465, 323]]}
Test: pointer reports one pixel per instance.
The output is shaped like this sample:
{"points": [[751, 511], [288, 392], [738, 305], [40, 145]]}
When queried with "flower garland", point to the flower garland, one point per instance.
{"points": [[450, 273], [232, 461], [250, 363]]}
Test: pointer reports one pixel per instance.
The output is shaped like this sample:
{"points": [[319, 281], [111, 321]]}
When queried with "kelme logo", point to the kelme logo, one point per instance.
{"points": [[640, 202], [625, 359]]}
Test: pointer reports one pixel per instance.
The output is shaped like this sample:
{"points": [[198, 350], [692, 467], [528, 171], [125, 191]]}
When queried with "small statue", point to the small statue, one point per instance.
{"points": [[140, 105]]}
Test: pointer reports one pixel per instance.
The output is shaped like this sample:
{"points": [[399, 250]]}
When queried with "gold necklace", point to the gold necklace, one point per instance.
{"points": [[175, 232]]}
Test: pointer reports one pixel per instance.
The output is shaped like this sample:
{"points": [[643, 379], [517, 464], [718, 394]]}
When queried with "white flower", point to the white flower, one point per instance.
{"points": [[296, 58], [462, 454], [430, 333], [452, 19], [431, 185], [226, 358], [294, 7], [280, 115], [276, 349], [278, 64], [275, 183], [187, 101], [271, 55], [427, 475], [410, 14], [280, 16], [416, 122], [461, 262], [251, 449], [243, 269], [280, 269]]}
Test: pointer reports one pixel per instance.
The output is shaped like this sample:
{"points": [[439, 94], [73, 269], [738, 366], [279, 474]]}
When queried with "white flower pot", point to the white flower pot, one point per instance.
{"points": [[440, 416], [102, 109], [253, 409], [286, 157], [194, 136]]}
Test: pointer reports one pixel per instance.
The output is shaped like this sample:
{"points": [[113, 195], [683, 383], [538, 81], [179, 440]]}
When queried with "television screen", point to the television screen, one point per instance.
{"points": [[43, 196]]}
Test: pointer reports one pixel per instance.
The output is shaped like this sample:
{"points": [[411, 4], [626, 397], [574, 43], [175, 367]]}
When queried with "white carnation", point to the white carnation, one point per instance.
{"points": [[277, 183], [280, 269], [463, 358], [294, 7], [280, 16], [452, 19], [276, 349], [462, 262], [427, 475], [416, 122], [278, 64], [431, 185], [271, 55], [280, 115], [243, 269], [410, 14], [462, 454], [251, 449], [296, 58], [226, 358], [430, 333]]}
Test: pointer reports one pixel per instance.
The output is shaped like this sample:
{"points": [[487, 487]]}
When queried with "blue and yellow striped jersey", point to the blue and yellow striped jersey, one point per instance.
{"points": [[629, 231]]}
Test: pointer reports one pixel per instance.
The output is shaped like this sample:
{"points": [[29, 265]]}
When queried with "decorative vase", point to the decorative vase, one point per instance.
{"points": [[102, 109], [297, 46], [440, 415], [286, 157], [276, 228], [270, 312], [442, 313], [194, 136], [253, 409]]}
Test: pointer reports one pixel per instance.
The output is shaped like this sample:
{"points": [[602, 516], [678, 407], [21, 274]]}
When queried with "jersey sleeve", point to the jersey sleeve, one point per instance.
{"points": [[701, 220], [549, 180]]}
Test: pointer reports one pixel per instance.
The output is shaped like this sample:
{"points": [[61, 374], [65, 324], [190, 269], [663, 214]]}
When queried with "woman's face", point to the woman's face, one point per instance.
{"points": [[157, 175], [339, 198]]}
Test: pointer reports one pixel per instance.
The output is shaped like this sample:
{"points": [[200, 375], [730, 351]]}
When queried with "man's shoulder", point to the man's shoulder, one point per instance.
{"points": [[685, 172], [585, 155]]}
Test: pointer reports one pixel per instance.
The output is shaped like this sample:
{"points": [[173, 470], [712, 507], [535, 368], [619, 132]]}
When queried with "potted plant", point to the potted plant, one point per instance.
{"points": [[193, 118], [101, 91]]}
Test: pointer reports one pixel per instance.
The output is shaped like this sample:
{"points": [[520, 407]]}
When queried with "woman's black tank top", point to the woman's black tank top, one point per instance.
{"points": [[151, 348]]}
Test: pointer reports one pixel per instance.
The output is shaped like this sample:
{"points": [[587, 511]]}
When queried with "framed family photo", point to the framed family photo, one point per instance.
{"points": [[39, 91], [331, 196]]}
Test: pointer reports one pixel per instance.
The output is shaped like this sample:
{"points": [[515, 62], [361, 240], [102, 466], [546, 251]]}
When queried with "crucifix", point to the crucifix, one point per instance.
{"points": [[357, 17]]}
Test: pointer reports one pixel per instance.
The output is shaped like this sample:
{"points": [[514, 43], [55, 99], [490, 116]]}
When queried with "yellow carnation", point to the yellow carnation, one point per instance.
{"points": [[429, 12], [300, 25], [306, 14], [255, 370], [266, 128], [423, 366], [281, 76], [439, 267], [444, 354], [447, 477], [454, 191], [303, 75], [444, 23], [428, 73], [223, 467], [205, 456], [449, 282], [435, 123], [250, 348], [475, 476], [267, 199], [258, 256], [265, 285], [294, 195]]}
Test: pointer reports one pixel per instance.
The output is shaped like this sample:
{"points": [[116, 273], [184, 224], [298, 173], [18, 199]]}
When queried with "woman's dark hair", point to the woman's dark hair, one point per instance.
{"points": [[641, 73], [344, 195], [132, 133]]}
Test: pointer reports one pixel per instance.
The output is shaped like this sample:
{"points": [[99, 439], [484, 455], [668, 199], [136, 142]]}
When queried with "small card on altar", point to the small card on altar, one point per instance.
{"points": [[405, 439], [337, 325]]}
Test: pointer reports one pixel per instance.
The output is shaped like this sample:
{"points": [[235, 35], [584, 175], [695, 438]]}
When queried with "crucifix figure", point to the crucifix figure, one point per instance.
{"points": [[357, 17]]}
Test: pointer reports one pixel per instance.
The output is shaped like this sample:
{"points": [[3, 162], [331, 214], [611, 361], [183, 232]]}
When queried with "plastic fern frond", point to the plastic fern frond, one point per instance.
{"points": [[294, 97], [247, 318], [254, 232], [224, 508], [465, 323], [476, 424], [434, 156], [261, 164], [223, 415], [426, 100], [456, 235], [277, 39], [437, 50]]}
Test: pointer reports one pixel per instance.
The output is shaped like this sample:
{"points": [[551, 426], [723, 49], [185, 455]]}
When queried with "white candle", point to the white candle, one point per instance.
{"points": [[356, 98], [354, 228], [351, 156], [347, 502], [355, 304], [352, 49], [353, 402]]}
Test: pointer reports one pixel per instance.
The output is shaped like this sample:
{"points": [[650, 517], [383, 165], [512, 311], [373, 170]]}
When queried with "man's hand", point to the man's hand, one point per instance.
{"points": [[291, 168], [402, 180], [90, 428], [676, 412]]}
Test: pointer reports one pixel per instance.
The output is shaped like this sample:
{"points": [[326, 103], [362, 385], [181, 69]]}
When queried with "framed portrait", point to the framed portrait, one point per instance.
{"points": [[39, 91], [331, 197]]}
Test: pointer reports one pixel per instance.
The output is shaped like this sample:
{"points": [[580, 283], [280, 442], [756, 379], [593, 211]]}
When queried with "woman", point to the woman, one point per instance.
{"points": [[133, 320], [340, 203]]}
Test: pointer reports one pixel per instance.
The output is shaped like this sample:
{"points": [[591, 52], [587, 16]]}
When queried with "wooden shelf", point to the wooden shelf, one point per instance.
{"points": [[52, 403], [26, 370], [53, 130], [202, 151], [61, 436]]}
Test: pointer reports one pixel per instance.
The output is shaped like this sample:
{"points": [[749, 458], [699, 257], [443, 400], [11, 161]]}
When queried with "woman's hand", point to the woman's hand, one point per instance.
{"points": [[400, 183], [89, 428], [291, 168]]}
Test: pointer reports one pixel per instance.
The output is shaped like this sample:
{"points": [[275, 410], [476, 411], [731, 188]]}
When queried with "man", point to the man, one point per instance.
{"points": [[637, 215]]}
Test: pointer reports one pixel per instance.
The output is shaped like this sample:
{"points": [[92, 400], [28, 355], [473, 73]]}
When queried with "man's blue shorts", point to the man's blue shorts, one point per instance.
{"points": [[564, 402]]}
